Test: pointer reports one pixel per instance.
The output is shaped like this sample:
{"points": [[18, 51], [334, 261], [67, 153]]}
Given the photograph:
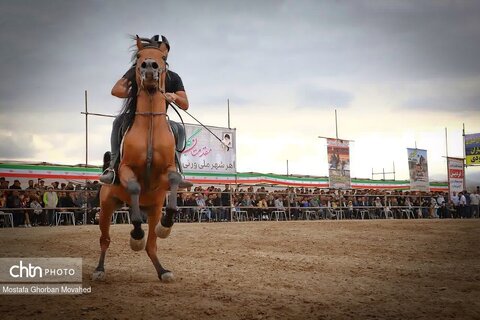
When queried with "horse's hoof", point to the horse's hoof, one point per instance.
{"points": [[137, 245], [161, 231], [167, 277], [137, 233], [98, 275]]}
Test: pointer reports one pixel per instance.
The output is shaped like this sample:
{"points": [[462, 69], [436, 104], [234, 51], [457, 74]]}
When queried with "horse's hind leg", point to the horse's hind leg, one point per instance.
{"points": [[151, 248], [165, 226], [130, 182], [106, 211]]}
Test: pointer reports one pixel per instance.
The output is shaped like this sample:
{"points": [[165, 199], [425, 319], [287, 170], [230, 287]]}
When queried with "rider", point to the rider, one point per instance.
{"points": [[175, 92]]}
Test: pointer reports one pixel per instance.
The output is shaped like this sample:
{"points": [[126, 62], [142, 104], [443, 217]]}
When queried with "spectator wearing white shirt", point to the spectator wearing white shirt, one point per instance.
{"points": [[475, 203], [455, 200], [462, 205], [441, 206], [279, 203]]}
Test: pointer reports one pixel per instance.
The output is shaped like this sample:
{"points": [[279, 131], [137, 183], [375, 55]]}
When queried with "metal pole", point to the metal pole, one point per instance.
{"points": [[464, 159], [336, 125], [446, 142], [287, 167], [228, 108], [86, 130], [86, 154], [393, 170], [448, 162]]}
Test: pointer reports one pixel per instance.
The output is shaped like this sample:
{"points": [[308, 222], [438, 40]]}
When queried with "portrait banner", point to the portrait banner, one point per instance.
{"points": [[205, 153], [338, 152], [456, 175], [472, 149], [418, 167]]}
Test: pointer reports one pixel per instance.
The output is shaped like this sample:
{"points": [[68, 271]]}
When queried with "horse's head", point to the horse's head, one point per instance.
{"points": [[151, 63]]}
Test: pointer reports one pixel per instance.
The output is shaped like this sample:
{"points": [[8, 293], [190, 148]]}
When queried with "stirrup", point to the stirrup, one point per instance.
{"points": [[184, 183], [114, 175]]}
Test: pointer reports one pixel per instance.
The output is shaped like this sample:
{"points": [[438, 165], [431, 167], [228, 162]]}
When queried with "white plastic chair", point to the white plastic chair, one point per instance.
{"points": [[7, 215], [65, 214]]}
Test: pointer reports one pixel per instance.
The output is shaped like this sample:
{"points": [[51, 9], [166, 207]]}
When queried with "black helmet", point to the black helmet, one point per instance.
{"points": [[155, 41], [165, 40]]}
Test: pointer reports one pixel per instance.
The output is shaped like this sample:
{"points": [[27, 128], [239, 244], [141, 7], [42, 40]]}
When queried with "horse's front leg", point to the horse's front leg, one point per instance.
{"points": [[165, 226], [130, 183], [154, 214]]}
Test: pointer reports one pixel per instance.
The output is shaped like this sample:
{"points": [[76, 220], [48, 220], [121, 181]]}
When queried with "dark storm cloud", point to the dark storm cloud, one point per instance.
{"points": [[52, 50], [250, 51]]}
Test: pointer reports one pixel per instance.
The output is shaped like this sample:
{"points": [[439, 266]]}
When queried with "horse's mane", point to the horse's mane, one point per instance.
{"points": [[130, 103]]}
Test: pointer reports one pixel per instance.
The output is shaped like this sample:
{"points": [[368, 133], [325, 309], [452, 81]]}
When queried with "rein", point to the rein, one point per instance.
{"points": [[176, 105]]}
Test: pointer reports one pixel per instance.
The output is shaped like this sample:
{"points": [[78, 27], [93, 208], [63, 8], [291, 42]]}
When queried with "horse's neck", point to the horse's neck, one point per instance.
{"points": [[151, 103]]}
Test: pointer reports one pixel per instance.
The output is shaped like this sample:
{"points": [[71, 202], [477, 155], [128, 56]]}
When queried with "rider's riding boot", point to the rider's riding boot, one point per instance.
{"points": [[184, 183], [108, 175]]}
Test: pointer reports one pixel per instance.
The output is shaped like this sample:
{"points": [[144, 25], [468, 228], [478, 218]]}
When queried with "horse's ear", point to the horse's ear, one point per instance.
{"points": [[163, 47], [139, 43]]}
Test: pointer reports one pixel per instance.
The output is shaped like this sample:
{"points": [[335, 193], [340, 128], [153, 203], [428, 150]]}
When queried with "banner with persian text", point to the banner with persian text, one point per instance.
{"points": [[418, 167], [338, 152], [456, 174], [472, 149], [205, 153]]}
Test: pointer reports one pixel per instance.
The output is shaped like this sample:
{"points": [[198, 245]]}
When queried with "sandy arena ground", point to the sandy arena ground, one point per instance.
{"points": [[382, 269]]}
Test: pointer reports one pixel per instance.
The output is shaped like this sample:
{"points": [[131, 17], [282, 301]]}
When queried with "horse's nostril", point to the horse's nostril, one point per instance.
{"points": [[144, 65], [155, 65]]}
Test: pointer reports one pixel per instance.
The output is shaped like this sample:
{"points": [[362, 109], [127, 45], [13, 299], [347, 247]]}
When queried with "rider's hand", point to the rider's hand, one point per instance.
{"points": [[171, 97], [126, 85], [121, 89]]}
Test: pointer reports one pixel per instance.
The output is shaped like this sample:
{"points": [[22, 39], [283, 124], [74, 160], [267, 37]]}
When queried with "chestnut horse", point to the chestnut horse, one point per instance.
{"points": [[147, 168]]}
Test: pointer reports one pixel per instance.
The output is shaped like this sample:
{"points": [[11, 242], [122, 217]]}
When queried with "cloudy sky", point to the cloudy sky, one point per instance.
{"points": [[397, 72]]}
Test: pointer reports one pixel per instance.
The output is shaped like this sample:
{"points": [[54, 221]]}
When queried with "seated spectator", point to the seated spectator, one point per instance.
{"points": [[65, 202], [279, 206], [202, 205], [25, 204], [262, 208], [38, 215], [378, 207], [13, 202]]}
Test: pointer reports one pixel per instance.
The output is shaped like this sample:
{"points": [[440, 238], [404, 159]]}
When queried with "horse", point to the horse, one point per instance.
{"points": [[147, 168]]}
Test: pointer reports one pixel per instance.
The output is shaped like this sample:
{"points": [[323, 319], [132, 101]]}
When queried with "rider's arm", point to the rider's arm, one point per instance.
{"points": [[122, 87], [179, 97], [178, 93]]}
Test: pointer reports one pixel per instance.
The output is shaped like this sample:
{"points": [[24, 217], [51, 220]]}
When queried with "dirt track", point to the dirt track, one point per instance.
{"points": [[400, 269]]}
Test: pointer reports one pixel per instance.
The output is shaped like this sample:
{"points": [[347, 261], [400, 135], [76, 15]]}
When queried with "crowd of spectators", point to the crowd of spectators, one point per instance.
{"points": [[36, 204], [260, 202]]}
